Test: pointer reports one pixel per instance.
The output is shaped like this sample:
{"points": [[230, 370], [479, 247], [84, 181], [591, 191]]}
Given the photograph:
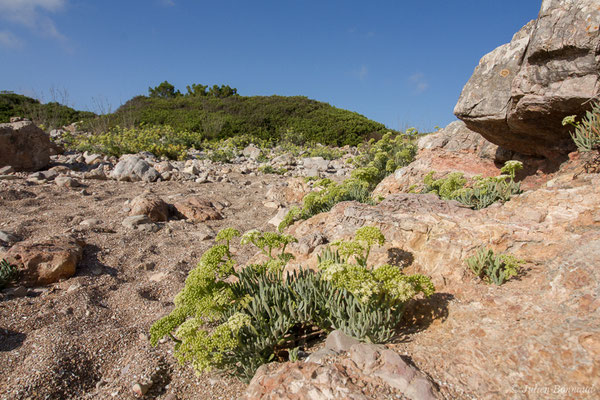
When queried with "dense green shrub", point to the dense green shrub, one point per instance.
{"points": [[494, 268], [8, 273], [483, 191], [50, 115], [296, 119], [587, 131], [236, 325]]}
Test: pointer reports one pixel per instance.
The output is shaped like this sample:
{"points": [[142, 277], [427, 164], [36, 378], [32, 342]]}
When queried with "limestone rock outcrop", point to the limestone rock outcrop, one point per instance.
{"points": [[521, 91], [455, 148], [24, 146], [553, 306]]}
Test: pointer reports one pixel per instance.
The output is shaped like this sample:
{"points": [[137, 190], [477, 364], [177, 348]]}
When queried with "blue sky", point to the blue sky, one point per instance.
{"points": [[402, 63]]}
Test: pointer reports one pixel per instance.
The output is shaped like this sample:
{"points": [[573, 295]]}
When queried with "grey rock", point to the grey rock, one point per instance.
{"points": [[91, 159], [133, 168], [521, 91], [96, 173], [315, 163], [252, 152], [134, 221], [66, 181], [8, 169], [339, 342], [320, 355], [276, 220], [8, 237]]}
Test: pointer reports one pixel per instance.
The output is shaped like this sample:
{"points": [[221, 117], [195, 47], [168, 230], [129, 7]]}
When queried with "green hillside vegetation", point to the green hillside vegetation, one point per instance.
{"points": [[219, 113], [49, 115]]}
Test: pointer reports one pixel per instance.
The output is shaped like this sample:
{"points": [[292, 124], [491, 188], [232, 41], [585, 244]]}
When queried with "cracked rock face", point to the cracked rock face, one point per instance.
{"points": [[521, 91], [24, 146]]}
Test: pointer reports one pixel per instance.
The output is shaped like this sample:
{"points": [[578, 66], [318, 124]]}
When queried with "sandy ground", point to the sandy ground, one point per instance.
{"points": [[87, 337]]}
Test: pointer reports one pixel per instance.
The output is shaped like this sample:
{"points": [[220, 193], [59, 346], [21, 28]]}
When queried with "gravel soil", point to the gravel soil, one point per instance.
{"points": [[87, 337]]}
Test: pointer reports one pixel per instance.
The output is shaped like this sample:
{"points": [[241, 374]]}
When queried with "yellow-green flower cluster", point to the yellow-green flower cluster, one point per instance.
{"points": [[386, 281]]}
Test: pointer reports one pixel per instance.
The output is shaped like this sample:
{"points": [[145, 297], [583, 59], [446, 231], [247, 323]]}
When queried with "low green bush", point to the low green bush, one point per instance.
{"points": [[268, 169], [587, 131], [236, 325], [8, 273], [483, 191], [329, 195], [379, 158], [493, 268], [159, 140], [328, 153]]}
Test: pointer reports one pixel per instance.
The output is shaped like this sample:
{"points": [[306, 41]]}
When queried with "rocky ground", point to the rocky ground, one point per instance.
{"points": [[87, 336]]}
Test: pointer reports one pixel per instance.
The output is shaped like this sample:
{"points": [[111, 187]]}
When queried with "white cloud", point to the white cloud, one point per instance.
{"points": [[363, 72], [7, 39], [418, 82], [31, 13]]}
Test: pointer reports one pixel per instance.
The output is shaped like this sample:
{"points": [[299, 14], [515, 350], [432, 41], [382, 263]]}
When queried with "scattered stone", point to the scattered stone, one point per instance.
{"points": [[192, 170], [271, 204], [318, 164], [46, 261], [90, 222], [134, 221], [96, 173], [252, 152], [151, 205], [8, 169], [278, 218], [67, 182], [197, 209], [91, 159], [140, 389], [158, 277], [24, 146], [19, 291], [339, 342], [132, 168], [8, 238]]}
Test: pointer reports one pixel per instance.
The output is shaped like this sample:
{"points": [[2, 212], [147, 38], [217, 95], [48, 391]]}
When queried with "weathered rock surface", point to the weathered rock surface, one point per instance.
{"points": [[24, 146], [133, 168], [150, 205], [47, 261], [197, 209], [365, 370], [455, 148], [554, 305], [521, 91]]}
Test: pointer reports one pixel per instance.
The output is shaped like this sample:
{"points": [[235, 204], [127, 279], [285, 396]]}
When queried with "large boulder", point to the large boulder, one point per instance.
{"points": [[521, 91], [24, 146]]}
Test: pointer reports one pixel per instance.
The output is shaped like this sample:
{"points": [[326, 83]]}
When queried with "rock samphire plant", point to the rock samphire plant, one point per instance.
{"points": [[235, 319], [587, 131], [482, 192], [8, 273], [494, 268]]}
